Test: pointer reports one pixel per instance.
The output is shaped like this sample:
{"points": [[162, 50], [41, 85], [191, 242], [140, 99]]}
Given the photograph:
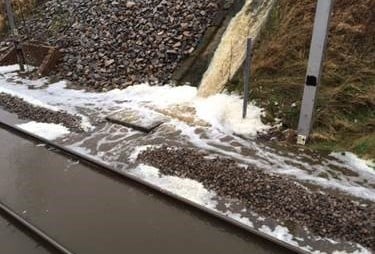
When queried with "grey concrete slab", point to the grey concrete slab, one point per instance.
{"points": [[137, 120]]}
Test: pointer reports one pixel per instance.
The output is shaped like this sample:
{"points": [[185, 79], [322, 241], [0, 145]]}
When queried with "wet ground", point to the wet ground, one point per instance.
{"points": [[119, 146], [89, 211]]}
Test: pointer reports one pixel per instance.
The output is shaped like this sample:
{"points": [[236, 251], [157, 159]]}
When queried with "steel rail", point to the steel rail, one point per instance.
{"points": [[12, 214], [90, 161]]}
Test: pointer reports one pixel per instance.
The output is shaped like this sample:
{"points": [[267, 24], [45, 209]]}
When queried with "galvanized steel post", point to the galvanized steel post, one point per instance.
{"points": [[246, 76], [314, 68], [14, 31]]}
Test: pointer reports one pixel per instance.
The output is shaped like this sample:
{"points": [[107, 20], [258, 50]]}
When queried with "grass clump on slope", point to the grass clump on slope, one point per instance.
{"points": [[345, 115]]}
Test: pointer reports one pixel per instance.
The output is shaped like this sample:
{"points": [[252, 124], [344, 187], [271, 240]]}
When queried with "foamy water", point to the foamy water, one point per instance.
{"points": [[231, 51], [209, 124], [221, 113]]}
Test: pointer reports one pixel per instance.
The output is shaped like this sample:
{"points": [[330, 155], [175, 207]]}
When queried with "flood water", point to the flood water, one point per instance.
{"points": [[13, 239], [89, 211]]}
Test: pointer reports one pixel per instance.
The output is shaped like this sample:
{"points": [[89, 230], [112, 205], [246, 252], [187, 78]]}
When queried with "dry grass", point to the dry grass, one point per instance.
{"points": [[346, 104], [20, 7]]}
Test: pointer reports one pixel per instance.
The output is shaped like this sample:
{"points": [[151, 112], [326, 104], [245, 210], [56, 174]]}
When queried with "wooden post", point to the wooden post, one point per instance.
{"points": [[246, 76], [14, 31], [314, 68]]}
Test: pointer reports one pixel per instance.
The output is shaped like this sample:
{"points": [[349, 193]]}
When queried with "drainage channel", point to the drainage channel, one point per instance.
{"points": [[93, 209]]}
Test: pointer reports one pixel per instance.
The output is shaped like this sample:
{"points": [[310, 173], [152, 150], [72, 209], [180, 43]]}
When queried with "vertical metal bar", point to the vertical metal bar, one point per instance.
{"points": [[12, 23], [246, 76], [314, 68], [14, 31]]}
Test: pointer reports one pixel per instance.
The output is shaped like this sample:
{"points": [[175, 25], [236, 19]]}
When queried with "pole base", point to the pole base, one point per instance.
{"points": [[301, 140]]}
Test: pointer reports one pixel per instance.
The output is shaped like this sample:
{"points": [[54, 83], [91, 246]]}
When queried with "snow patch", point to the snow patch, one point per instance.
{"points": [[48, 131]]}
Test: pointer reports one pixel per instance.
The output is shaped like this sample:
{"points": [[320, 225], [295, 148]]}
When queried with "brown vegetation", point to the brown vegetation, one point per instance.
{"points": [[20, 7], [345, 116]]}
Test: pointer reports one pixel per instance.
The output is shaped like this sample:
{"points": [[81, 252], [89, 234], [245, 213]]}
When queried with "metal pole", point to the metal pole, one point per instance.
{"points": [[14, 31], [314, 68], [246, 76]]}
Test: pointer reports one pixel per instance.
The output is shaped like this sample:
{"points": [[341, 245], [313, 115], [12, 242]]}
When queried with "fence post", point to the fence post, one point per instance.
{"points": [[14, 31], [314, 68], [246, 76]]}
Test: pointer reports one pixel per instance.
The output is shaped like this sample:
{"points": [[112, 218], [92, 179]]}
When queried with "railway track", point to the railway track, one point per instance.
{"points": [[122, 176], [17, 238]]}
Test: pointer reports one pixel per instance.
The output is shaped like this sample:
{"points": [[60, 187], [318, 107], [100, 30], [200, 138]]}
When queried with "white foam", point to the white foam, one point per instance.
{"points": [[224, 112], [221, 111], [8, 68], [49, 131], [283, 234], [26, 98], [138, 150], [354, 162], [186, 188], [361, 250], [162, 96], [279, 232], [238, 217]]}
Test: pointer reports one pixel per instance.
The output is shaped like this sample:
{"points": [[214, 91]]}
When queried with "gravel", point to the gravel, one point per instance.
{"points": [[27, 111], [271, 195], [116, 43]]}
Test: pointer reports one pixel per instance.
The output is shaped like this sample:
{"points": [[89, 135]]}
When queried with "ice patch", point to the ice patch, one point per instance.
{"points": [[48, 131]]}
